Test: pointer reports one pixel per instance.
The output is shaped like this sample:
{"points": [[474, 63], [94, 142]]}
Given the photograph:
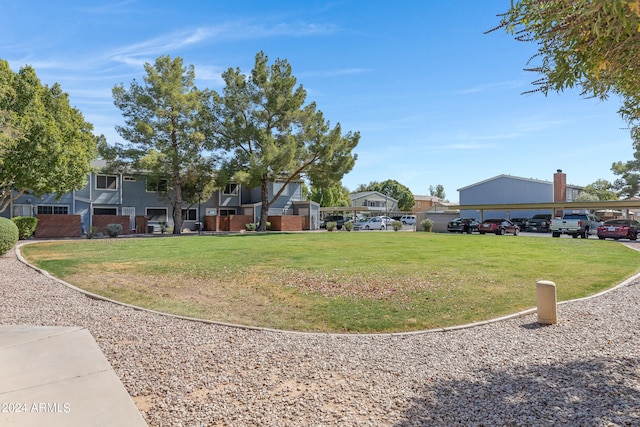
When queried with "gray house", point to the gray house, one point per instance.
{"points": [[127, 195], [376, 202], [508, 189]]}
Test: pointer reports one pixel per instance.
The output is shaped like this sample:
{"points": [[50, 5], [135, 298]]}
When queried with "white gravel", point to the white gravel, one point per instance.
{"points": [[583, 371]]}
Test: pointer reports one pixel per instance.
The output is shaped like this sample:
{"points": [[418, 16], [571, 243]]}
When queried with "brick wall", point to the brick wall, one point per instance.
{"points": [[285, 222], [50, 226], [101, 221]]}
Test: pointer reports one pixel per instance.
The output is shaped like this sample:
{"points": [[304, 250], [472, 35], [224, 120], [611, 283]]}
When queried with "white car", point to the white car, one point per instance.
{"points": [[387, 221], [408, 219], [373, 223]]}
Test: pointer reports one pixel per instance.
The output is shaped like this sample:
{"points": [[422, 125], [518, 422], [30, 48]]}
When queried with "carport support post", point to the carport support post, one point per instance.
{"points": [[546, 296]]}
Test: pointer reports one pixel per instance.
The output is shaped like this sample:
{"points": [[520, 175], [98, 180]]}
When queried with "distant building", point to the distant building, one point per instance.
{"points": [[508, 189], [376, 202]]}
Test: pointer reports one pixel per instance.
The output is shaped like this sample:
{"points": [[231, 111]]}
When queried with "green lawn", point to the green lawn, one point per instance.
{"points": [[337, 282]]}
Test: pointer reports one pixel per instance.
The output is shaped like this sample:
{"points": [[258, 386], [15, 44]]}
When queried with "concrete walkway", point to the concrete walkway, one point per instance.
{"points": [[57, 376]]}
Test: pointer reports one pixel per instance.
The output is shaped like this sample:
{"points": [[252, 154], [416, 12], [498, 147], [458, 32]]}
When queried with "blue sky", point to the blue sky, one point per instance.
{"points": [[436, 101]]}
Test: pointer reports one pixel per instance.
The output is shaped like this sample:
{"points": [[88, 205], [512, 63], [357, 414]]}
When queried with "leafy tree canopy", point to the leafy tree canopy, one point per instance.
{"points": [[268, 134], [394, 189], [437, 191], [590, 44], [164, 129], [602, 190], [46, 145], [334, 195]]}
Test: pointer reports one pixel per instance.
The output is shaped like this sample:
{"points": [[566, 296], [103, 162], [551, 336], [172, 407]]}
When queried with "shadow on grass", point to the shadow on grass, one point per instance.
{"points": [[594, 392]]}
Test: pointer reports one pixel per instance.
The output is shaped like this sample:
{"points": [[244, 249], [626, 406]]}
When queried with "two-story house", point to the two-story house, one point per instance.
{"points": [[140, 208]]}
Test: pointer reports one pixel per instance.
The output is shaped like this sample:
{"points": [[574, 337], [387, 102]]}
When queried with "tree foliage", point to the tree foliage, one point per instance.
{"points": [[162, 119], [602, 190], [334, 195], [46, 146], [437, 191], [393, 189], [590, 44], [268, 134]]}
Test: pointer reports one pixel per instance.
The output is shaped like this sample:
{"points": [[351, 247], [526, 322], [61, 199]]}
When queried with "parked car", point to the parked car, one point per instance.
{"points": [[521, 223], [619, 229], [373, 223], [539, 222], [408, 219], [338, 219], [463, 225], [498, 226]]}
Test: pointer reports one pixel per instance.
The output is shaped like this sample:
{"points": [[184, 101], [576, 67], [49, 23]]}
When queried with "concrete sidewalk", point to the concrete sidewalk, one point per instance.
{"points": [[58, 376]]}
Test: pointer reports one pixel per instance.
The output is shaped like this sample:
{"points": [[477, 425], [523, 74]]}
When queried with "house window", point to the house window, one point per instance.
{"points": [[278, 185], [157, 185], [157, 214], [52, 210], [105, 211], [231, 189], [227, 212], [190, 214], [106, 182]]}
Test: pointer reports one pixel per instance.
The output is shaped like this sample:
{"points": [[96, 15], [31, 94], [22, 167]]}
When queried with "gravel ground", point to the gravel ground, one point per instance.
{"points": [[582, 371]]}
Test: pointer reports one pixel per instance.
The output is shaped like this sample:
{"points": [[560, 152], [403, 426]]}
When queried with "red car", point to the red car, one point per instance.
{"points": [[619, 229], [498, 226]]}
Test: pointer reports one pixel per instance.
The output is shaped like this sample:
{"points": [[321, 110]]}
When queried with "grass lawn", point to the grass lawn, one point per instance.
{"points": [[359, 282]]}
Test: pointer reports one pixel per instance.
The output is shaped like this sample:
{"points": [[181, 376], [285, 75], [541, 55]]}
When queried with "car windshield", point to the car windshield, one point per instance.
{"points": [[493, 221]]}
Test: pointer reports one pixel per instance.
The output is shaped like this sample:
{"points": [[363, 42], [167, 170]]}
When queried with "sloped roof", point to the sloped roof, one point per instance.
{"points": [[505, 176]]}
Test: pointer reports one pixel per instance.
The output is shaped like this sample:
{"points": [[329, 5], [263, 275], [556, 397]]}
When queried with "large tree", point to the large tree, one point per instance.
{"points": [[392, 188], [46, 146], [335, 195], [268, 134], [590, 44], [162, 116]]}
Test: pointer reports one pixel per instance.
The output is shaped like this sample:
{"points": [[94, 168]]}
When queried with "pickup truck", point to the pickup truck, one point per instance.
{"points": [[574, 224], [539, 222]]}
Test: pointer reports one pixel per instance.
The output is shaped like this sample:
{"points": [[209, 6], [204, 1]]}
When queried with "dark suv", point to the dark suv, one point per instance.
{"points": [[338, 219]]}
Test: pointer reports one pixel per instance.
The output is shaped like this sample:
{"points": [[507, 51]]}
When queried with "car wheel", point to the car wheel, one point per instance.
{"points": [[516, 232], [481, 232], [501, 231], [367, 227], [585, 234], [555, 234], [634, 236], [600, 237], [382, 228]]}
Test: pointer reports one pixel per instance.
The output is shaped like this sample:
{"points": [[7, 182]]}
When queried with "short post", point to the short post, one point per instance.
{"points": [[546, 295]]}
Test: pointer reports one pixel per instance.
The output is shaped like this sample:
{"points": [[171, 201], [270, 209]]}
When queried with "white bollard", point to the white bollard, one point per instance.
{"points": [[546, 295]]}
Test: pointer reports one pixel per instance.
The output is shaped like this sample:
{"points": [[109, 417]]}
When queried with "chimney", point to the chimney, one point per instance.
{"points": [[559, 189]]}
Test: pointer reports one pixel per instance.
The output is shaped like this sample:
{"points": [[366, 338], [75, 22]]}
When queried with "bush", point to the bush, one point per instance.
{"points": [[426, 224], [26, 226], [250, 227], [397, 225], [348, 226], [8, 235], [92, 231], [331, 225], [113, 230]]}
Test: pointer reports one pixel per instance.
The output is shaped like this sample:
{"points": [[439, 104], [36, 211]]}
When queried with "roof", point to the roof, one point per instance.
{"points": [[506, 176]]}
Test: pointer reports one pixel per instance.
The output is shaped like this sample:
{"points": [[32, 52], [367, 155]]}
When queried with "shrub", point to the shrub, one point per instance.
{"points": [[26, 226], [426, 224], [397, 225], [250, 227], [92, 231], [348, 226], [8, 235], [331, 225], [113, 230]]}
